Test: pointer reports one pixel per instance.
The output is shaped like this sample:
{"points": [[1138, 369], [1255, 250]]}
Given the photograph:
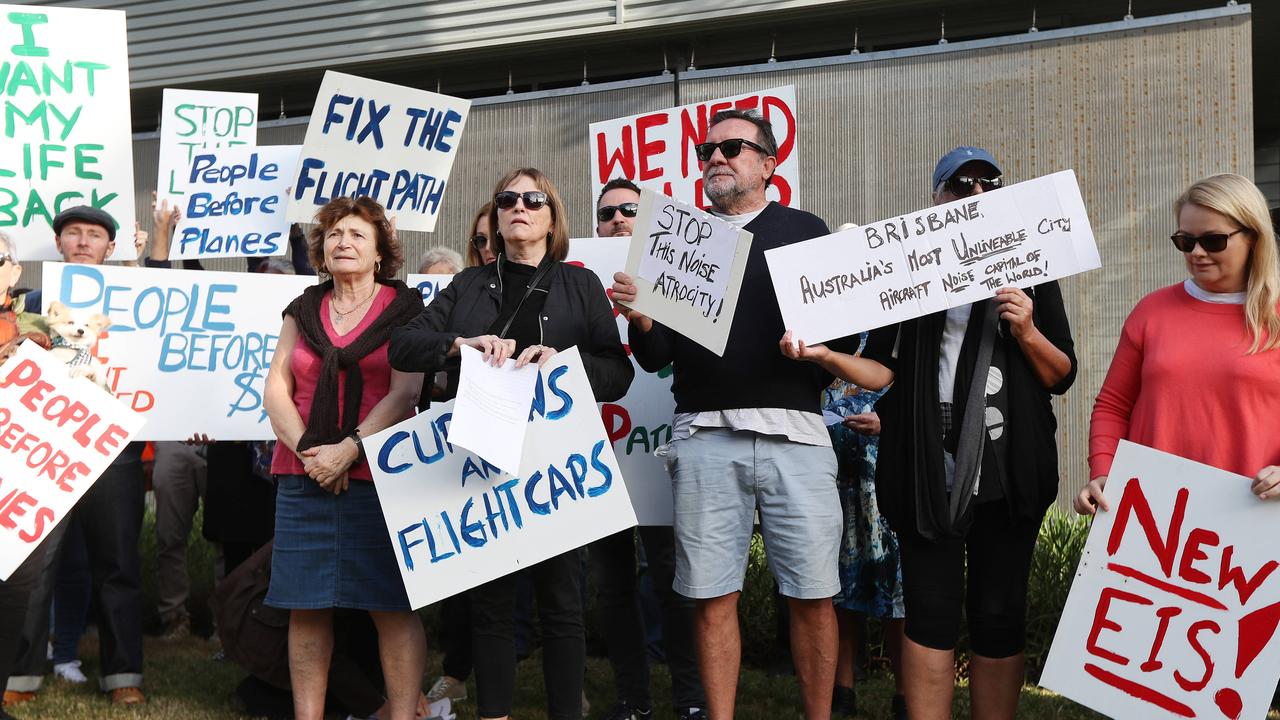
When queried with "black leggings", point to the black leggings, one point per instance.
{"points": [[998, 554]]}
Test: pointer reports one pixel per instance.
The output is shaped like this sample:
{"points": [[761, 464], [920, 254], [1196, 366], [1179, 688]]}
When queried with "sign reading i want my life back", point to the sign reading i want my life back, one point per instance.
{"points": [[188, 349], [456, 521], [937, 258], [234, 203], [58, 434], [64, 77], [1175, 604], [200, 121], [389, 142]]}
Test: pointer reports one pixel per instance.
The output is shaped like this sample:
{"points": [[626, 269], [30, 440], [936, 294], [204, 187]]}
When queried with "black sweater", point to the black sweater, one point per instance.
{"points": [[753, 372]]}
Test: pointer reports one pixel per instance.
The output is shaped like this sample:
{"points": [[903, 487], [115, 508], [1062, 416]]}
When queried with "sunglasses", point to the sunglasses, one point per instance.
{"points": [[479, 242], [1212, 242], [533, 199], [5, 258], [729, 148], [605, 214], [962, 185]]}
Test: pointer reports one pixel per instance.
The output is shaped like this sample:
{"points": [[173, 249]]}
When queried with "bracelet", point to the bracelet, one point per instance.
{"points": [[355, 438]]}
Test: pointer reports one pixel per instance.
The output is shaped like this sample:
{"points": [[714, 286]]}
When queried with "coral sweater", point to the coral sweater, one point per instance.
{"points": [[1182, 381]]}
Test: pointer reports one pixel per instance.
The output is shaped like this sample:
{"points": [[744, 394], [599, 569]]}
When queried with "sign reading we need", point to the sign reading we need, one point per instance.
{"points": [[456, 521], [64, 78], [655, 150], [388, 142], [234, 203], [1175, 604], [197, 121], [937, 258], [58, 434]]}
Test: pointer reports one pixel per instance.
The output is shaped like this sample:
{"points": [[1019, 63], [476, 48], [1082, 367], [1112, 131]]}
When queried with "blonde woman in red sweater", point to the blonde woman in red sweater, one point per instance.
{"points": [[1219, 332]]}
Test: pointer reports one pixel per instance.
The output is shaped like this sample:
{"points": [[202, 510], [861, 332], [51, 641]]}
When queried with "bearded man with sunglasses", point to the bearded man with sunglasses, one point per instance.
{"points": [[748, 434]]}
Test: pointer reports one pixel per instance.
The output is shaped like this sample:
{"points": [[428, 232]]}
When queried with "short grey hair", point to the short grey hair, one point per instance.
{"points": [[277, 266], [438, 255], [10, 245]]}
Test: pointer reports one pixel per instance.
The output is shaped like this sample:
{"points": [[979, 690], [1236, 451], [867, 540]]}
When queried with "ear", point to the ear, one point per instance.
{"points": [[100, 322], [770, 165], [111, 248], [57, 311]]}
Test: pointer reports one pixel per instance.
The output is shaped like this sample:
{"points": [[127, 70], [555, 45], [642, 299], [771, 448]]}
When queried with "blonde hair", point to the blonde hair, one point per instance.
{"points": [[1240, 200]]}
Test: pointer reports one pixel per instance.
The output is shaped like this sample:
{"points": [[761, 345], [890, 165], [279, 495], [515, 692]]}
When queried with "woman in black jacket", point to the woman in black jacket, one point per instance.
{"points": [[527, 305]]}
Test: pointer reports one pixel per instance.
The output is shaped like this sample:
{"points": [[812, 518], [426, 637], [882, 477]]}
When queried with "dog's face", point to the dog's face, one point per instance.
{"points": [[79, 330]]}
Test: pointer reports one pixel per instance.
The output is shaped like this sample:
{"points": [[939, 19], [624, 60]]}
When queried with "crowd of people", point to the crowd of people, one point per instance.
{"points": [[916, 507]]}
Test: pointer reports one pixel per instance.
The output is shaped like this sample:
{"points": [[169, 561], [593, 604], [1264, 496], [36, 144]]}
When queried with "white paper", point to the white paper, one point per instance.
{"points": [[829, 418], [491, 411]]}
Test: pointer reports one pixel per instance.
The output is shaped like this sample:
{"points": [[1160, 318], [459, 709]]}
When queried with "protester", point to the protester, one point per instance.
{"points": [[480, 246], [440, 261], [616, 208], [748, 432], [329, 386], [526, 305], [1229, 310]]}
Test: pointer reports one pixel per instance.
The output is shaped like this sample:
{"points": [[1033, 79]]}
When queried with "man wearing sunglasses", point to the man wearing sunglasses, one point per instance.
{"points": [[748, 434], [616, 208]]}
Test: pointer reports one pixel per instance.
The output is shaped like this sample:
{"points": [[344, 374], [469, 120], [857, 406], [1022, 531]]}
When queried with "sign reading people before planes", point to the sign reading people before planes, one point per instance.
{"points": [[1175, 604], [655, 149], [60, 433], [64, 74], [234, 201], [688, 266], [456, 521], [389, 142], [193, 122], [188, 349], [937, 258]]}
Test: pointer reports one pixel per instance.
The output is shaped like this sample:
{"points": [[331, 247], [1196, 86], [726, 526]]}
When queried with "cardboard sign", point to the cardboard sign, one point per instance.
{"points": [[68, 140], [234, 203], [188, 349], [194, 122], [940, 257], [429, 285], [1174, 608], [688, 267], [456, 521], [389, 142], [58, 434], [655, 150]]}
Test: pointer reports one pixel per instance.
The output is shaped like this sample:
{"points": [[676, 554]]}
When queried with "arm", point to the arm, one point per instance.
{"points": [[286, 421], [1112, 410], [860, 371], [603, 356], [651, 343], [421, 345], [1043, 333]]}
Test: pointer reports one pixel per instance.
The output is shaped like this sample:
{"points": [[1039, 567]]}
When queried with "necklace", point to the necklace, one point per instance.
{"points": [[334, 307]]}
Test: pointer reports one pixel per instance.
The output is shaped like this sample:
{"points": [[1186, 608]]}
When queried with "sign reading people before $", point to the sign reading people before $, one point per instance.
{"points": [[198, 121], [1175, 604], [388, 142], [456, 521], [937, 258], [234, 202], [64, 76], [688, 266]]}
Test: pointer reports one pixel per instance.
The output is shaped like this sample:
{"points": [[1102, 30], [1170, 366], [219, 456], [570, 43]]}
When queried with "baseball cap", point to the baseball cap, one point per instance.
{"points": [[86, 214], [952, 161]]}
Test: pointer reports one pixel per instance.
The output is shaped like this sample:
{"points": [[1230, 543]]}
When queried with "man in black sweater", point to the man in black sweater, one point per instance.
{"points": [[748, 434]]}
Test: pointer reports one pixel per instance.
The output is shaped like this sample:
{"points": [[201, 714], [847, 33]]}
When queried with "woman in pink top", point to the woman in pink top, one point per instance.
{"points": [[1197, 370], [329, 385]]}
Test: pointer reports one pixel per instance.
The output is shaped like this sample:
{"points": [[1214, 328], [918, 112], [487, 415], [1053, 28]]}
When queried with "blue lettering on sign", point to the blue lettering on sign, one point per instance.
{"points": [[361, 125], [437, 128]]}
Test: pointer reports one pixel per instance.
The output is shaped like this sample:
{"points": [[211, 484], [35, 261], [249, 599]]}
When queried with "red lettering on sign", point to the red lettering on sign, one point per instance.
{"points": [[1100, 622], [1228, 573], [1193, 552], [1193, 639], [1134, 502], [617, 421], [623, 157], [650, 148], [786, 144], [1141, 692]]}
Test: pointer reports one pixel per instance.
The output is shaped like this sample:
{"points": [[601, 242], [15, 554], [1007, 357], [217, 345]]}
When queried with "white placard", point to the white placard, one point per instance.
{"points": [[688, 266], [234, 203], [188, 349], [940, 257], [428, 284], [58, 434], [490, 412], [200, 121], [392, 143], [456, 521], [1174, 607], [69, 139]]}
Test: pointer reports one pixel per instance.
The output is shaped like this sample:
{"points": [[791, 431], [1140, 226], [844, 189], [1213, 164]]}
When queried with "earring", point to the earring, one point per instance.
{"points": [[377, 266]]}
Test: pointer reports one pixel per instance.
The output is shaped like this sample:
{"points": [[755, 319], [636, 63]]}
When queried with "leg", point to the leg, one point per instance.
{"points": [[14, 595], [402, 645], [176, 482], [29, 668], [677, 620], [892, 633], [72, 596], [930, 680], [932, 587], [310, 648], [813, 647], [493, 645], [613, 562], [356, 683], [564, 651], [847, 629], [719, 652]]}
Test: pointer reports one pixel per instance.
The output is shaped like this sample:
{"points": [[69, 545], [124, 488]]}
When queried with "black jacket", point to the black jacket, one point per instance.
{"points": [[576, 312]]}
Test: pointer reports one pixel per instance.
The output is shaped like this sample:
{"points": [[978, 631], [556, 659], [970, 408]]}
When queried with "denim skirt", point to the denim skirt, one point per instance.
{"points": [[332, 550]]}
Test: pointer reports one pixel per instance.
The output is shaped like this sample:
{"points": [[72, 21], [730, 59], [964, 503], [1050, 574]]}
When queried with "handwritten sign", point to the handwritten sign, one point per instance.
{"points": [[457, 521], [429, 285], [188, 349], [58, 434], [655, 150], [193, 122], [1175, 604], [940, 257], [389, 142], [64, 76], [234, 202]]}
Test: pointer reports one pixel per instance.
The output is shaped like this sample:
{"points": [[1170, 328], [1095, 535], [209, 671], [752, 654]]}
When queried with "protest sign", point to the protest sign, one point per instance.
{"points": [[188, 349], [429, 285], [234, 202], [389, 142], [937, 258], [193, 122], [640, 422], [64, 75], [1174, 607], [688, 266], [655, 150], [456, 521], [58, 434]]}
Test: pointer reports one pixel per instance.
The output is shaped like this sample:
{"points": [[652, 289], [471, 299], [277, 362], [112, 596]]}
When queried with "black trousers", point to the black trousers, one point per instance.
{"points": [[455, 635], [15, 593]]}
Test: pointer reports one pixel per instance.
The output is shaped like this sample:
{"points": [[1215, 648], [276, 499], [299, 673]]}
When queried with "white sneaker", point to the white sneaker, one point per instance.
{"points": [[447, 687], [70, 671]]}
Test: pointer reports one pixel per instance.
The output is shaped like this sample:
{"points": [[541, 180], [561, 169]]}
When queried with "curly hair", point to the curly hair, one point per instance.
{"points": [[372, 212]]}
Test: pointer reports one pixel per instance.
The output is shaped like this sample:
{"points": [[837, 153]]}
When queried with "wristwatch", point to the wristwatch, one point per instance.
{"points": [[355, 437]]}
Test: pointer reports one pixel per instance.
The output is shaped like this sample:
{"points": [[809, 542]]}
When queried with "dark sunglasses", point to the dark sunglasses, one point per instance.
{"points": [[479, 242], [4, 258], [962, 185], [605, 214], [1213, 242], [533, 199], [729, 148]]}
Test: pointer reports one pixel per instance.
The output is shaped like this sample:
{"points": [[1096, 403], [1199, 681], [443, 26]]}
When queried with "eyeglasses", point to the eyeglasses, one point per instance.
{"points": [[6, 258], [533, 199], [605, 214], [729, 148], [962, 185], [479, 242], [1212, 242]]}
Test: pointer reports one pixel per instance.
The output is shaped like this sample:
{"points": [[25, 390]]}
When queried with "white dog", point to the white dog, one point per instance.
{"points": [[73, 339]]}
